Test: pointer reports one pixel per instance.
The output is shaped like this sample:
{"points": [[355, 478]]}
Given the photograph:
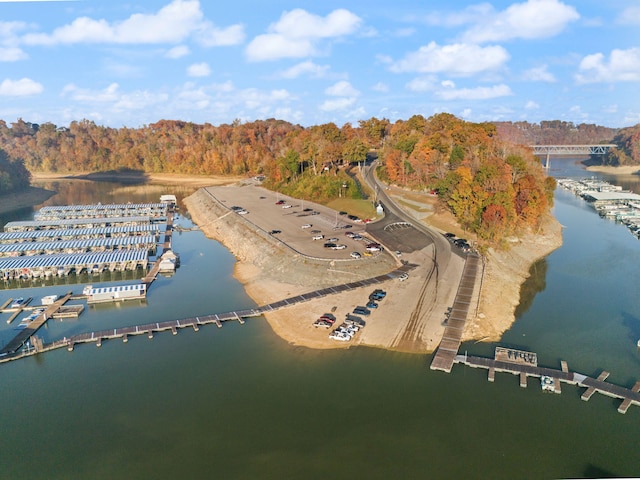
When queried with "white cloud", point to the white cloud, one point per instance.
{"points": [[478, 93], [455, 59], [305, 68], [20, 88], [421, 84], [211, 36], [630, 16], [117, 100], [178, 51], [539, 74], [404, 32], [531, 105], [297, 33], [334, 104], [622, 66], [529, 20], [12, 54], [380, 87], [199, 70], [448, 84], [171, 24], [342, 89]]}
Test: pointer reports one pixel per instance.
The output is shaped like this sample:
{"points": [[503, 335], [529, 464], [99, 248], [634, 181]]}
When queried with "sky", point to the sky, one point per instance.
{"points": [[135, 62]]}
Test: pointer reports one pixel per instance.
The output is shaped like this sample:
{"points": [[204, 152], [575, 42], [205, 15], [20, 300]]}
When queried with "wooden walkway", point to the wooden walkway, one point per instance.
{"points": [[195, 322], [33, 327], [166, 245], [628, 396], [452, 337]]}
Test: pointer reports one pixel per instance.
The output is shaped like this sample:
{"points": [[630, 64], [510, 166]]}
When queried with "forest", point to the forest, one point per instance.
{"points": [[493, 187], [14, 176]]}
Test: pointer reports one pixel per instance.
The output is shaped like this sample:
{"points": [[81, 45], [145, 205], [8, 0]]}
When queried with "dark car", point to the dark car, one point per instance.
{"points": [[450, 235], [342, 213], [280, 202], [372, 304], [329, 245], [353, 217], [274, 232], [307, 210], [361, 311]]}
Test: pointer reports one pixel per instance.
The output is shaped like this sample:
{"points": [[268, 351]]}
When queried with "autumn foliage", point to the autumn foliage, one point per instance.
{"points": [[492, 187]]}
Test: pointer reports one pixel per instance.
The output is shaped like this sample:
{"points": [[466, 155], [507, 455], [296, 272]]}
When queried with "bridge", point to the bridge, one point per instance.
{"points": [[548, 150]]}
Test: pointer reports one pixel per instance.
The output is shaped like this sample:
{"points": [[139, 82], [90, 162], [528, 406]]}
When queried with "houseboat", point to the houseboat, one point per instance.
{"points": [[115, 293]]}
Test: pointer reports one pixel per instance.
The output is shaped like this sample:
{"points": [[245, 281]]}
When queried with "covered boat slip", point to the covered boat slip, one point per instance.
{"points": [[147, 242], [79, 223], [30, 266], [80, 233], [100, 210]]}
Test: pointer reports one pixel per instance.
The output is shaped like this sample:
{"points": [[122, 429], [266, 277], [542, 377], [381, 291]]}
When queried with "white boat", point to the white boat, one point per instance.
{"points": [[548, 384], [48, 300], [638, 343], [17, 303]]}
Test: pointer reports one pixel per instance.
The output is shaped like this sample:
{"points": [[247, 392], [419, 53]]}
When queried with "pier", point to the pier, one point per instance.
{"points": [[10, 352], [629, 396]]}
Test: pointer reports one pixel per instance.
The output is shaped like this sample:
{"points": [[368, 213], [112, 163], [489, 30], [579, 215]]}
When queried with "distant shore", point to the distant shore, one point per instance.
{"points": [[622, 170], [141, 177]]}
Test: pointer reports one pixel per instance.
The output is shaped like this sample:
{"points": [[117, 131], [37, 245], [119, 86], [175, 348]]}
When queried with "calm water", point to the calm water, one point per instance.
{"points": [[238, 402]]}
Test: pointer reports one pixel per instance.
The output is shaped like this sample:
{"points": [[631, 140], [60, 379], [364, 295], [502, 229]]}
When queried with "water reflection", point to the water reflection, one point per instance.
{"points": [[533, 285]]}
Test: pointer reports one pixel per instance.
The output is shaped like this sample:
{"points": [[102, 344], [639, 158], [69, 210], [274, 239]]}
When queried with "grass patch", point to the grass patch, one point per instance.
{"points": [[361, 208]]}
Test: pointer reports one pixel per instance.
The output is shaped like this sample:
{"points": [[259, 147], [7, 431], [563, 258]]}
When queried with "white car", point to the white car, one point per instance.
{"points": [[307, 225], [339, 247], [317, 237], [356, 255], [286, 205], [403, 277]]}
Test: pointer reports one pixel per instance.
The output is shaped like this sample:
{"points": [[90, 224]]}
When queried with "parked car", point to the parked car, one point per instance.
{"points": [[403, 277], [280, 202], [275, 232], [329, 245], [356, 255], [339, 247], [286, 205], [317, 237], [307, 210], [372, 304], [307, 225], [359, 310]]}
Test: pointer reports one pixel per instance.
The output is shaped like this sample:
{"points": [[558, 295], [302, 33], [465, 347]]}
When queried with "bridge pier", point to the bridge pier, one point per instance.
{"points": [[150, 334], [125, 339]]}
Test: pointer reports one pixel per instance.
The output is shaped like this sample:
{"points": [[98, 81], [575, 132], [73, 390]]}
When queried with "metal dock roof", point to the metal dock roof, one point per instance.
{"points": [[71, 259], [50, 224], [74, 244], [44, 235], [101, 210]]}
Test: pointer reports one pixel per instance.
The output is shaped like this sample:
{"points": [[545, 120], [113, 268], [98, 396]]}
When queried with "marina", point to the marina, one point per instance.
{"points": [[28, 225], [610, 201], [147, 242], [101, 210], [25, 236]]}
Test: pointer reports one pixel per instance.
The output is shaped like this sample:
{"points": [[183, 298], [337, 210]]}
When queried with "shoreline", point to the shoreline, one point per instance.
{"points": [[622, 170], [265, 282]]}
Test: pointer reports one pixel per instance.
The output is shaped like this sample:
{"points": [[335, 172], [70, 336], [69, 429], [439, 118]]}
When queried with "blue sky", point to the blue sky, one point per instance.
{"points": [[136, 62]]}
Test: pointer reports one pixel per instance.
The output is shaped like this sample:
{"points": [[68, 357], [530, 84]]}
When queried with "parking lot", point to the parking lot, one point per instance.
{"points": [[297, 222]]}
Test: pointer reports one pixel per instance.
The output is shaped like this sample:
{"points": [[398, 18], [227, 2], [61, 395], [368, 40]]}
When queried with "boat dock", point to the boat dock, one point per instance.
{"points": [[592, 385], [20, 339], [10, 352]]}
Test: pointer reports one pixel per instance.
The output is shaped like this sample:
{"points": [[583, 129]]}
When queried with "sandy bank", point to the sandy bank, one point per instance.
{"points": [[151, 178], [623, 170]]}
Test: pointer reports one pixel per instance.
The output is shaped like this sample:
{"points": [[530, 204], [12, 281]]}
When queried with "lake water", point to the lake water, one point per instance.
{"points": [[238, 402]]}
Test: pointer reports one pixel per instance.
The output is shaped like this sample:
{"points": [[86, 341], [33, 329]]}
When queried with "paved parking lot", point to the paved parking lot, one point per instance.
{"points": [[262, 211]]}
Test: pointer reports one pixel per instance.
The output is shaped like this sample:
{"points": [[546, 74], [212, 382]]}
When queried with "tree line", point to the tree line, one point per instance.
{"points": [[492, 186]]}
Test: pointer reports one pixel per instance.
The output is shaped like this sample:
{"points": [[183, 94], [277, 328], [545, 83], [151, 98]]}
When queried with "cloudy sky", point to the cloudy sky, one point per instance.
{"points": [[135, 62]]}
